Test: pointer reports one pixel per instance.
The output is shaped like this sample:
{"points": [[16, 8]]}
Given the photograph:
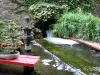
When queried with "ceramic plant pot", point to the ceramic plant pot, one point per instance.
{"points": [[9, 56]]}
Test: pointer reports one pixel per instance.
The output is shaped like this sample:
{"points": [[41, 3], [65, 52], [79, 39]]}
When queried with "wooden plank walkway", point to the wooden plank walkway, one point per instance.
{"points": [[91, 44]]}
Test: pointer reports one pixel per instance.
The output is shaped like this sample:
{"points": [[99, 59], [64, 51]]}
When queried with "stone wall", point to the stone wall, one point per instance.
{"points": [[97, 10], [6, 12]]}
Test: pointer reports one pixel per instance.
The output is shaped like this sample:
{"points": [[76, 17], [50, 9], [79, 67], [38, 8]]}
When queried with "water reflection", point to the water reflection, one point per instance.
{"points": [[46, 61]]}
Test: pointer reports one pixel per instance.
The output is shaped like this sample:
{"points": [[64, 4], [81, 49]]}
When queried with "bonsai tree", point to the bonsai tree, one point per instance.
{"points": [[9, 32]]}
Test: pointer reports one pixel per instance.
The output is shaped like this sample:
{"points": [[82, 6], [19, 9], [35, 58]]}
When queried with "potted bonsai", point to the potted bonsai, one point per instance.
{"points": [[8, 40]]}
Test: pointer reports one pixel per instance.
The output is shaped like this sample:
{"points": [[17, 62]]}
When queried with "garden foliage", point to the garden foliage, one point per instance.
{"points": [[44, 11], [72, 4], [8, 30], [78, 24], [86, 5]]}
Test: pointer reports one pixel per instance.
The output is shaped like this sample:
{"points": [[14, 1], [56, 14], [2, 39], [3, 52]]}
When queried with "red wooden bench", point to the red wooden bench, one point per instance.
{"points": [[23, 60]]}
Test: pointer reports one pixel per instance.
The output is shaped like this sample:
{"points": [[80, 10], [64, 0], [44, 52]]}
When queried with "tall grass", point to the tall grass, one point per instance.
{"points": [[78, 24]]}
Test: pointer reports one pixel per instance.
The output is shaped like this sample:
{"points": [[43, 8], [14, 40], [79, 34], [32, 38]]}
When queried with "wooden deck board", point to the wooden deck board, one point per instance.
{"points": [[91, 44]]}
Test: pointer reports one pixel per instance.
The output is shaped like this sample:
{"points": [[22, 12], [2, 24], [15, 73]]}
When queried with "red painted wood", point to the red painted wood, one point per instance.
{"points": [[22, 60], [94, 45]]}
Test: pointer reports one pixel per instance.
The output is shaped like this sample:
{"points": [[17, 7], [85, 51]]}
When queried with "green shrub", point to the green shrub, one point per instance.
{"points": [[97, 1], [44, 11], [1, 22], [7, 30], [78, 24], [72, 4], [86, 5]]}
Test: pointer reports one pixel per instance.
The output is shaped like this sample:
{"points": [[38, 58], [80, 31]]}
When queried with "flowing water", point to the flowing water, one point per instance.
{"points": [[54, 65]]}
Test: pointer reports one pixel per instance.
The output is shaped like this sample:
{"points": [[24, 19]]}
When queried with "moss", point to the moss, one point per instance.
{"points": [[1, 22], [67, 57]]}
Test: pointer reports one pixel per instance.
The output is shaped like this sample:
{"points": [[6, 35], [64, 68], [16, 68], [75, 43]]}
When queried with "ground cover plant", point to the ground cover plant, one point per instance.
{"points": [[78, 24]]}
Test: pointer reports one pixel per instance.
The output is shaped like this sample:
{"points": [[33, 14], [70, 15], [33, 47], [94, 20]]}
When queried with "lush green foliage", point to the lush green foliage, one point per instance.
{"points": [[97, 1], [72, 4], [44, 11], [78, 24], [85, 5], [30, 2], [8, 30]]}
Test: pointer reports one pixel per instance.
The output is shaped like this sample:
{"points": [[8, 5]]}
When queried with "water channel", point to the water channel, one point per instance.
{"points": [[54, 66]]}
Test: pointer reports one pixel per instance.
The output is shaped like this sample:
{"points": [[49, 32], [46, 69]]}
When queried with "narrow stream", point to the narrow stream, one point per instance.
{"points": [[54, 65], [86, 54]]}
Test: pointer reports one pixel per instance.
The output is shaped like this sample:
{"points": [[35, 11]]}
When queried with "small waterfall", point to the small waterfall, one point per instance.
{"points": [[49, 34], [56, 40]]}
